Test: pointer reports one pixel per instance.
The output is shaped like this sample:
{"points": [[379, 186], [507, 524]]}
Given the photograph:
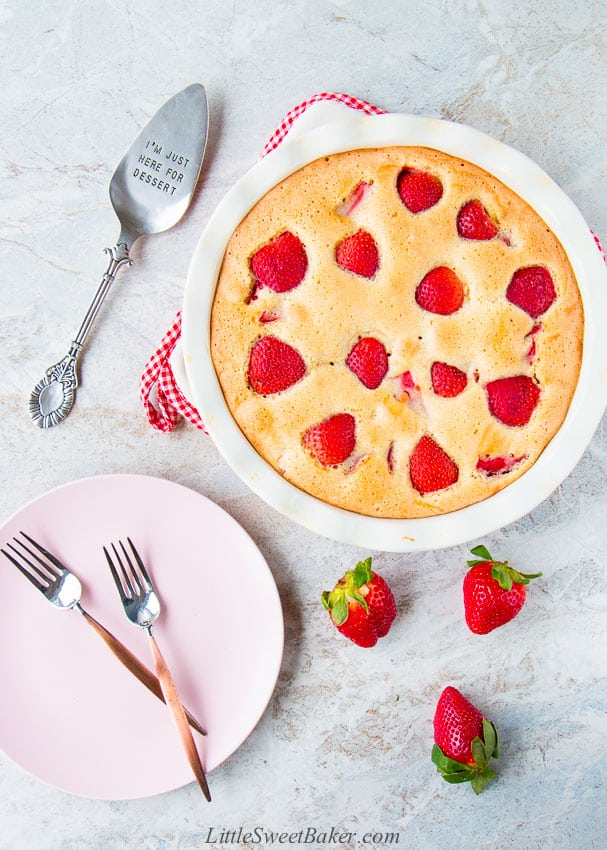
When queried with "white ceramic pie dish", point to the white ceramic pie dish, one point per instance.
{"points": [[525, 178]]}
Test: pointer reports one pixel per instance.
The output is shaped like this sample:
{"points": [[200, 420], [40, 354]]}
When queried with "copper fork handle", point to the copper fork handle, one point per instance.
{"points": [[134, 665], [178, 715]]}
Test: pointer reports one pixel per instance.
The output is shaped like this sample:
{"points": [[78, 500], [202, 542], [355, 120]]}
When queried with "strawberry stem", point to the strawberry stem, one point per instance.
{"points": [[348, 589], [479, 774], [502, 572]]}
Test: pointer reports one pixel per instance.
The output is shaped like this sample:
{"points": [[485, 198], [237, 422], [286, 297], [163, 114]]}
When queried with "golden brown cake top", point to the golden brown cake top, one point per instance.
{"points": [[396, 332]]}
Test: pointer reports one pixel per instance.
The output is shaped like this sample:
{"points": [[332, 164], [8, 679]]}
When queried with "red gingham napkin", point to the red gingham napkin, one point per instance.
{"points": [[158, 376]]}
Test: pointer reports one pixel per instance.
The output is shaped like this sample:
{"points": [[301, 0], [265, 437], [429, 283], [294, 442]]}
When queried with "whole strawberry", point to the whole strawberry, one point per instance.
{"points": [[465, 741], [494, 593], [361, 605]]}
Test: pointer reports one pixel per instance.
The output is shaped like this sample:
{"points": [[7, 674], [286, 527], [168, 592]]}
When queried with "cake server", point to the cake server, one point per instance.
{"points": [[150, 191]]}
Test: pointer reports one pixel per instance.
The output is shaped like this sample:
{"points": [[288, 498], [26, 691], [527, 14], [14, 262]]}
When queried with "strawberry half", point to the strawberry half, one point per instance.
{"points": [[430, 467], [530, 356], [418, 190], [354, 199], [274, 366], [491, 465], [280, 264], [447, 381], [464, 741], [474, 222], [513, 400], [369, 362], [532, 289], [494, 592], [361, 605], [441, 291], [405, 389], [358, 254], [267, 316], [331, 441]]}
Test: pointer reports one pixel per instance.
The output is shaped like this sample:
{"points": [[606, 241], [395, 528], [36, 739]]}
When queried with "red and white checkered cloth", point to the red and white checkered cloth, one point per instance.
{"points": [[158, 378]]}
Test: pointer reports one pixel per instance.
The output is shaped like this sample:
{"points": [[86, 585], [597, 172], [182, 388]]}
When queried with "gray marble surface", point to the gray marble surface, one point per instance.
{"points": [[345, 742]]}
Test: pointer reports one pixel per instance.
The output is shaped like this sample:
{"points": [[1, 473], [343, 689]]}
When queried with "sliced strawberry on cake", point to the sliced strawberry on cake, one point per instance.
{"points": [[280, 264], [274, 366], [332, 441], [491, 465], [440, 291], [358, 254], [354, 199], [447, 381], [474, 222], [430, 467], [512, 400], [418, 190], [532, 289], [369, 362]]}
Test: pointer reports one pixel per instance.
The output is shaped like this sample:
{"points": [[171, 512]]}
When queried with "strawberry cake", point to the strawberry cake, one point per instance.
{"points": [[396, 331]]}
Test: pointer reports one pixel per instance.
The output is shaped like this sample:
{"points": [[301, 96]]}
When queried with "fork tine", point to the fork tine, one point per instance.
{"points": [[141, 565], [48, 573], [44, 577], [136, 578], [59, 567], [115, 576], [127, 576], [37, 584]]}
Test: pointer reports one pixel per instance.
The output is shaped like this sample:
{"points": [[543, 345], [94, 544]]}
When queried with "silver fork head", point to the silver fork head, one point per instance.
{"points": [[45, 571], [139, 600]]}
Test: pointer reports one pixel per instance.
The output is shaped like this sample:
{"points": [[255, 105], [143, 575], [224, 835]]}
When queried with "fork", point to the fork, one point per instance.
{"points": [[63, 589], [142, 607]]}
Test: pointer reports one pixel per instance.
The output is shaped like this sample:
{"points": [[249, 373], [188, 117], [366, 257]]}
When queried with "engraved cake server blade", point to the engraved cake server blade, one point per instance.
{"points": [[150, 191]]}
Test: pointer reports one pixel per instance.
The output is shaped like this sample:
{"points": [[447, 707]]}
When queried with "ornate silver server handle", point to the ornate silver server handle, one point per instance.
{"points": [[53, 396]]}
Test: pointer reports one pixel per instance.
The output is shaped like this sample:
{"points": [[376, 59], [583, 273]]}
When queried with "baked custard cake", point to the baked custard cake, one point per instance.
{"points": [[396, 332]]}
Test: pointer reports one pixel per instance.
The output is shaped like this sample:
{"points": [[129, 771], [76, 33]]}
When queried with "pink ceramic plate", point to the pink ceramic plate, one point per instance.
{"points": [[70, 713]]}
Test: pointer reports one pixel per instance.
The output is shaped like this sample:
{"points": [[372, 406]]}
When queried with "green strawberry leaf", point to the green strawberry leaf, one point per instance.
{"points": [[523, 578], [324, 597], [479, 753], [446, 765], [468, 776], [506, 576], [481, 552], [358, 597], [361, 574], [502, 573], [491, 739], [438, 757], [481, 780], [339, 610]]}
